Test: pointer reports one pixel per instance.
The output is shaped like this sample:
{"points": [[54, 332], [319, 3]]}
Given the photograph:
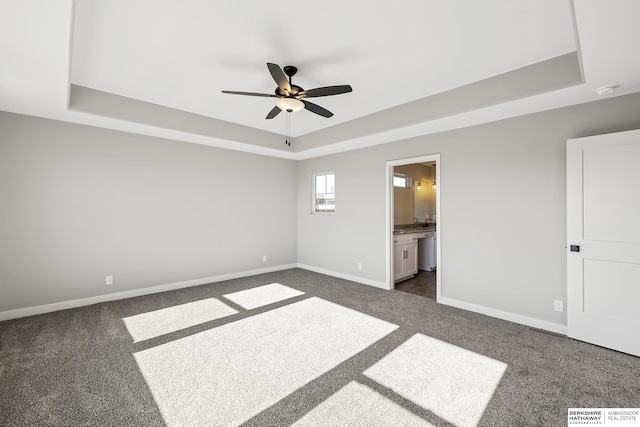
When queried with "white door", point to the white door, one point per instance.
{"points": [[603, 225]]}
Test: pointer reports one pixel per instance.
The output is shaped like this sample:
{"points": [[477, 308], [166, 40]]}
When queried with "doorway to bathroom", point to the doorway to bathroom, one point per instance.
{"points": [[413, 225]]}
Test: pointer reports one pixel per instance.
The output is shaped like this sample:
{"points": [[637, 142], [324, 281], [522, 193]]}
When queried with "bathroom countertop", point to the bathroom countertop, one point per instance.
{"points": [[406, 229]]}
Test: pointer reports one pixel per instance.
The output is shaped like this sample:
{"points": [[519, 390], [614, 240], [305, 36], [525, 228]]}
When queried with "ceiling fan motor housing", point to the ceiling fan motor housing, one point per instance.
{"points": [[290, 71], [295, 90]]}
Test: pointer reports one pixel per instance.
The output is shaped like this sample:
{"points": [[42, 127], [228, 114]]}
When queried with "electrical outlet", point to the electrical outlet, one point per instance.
{"points": [[359, 266], [264, 258], [109, 280], [559, 305]]}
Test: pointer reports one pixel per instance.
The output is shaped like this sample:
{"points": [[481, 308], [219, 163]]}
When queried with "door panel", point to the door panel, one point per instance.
{"points": [[611, 189], [619, 298], [398, 262], [411, 260], [603, 218]]}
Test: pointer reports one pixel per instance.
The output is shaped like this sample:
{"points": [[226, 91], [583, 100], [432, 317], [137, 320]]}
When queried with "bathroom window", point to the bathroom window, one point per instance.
{"points": [[402, 181], [324, 192]]}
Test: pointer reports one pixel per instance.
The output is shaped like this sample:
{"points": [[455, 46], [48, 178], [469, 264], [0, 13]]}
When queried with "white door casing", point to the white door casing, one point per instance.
{"points": [[389, 166], [603, 219]]}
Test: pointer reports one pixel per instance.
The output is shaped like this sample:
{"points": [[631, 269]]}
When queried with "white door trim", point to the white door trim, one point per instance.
{"points": [[389, 216]]}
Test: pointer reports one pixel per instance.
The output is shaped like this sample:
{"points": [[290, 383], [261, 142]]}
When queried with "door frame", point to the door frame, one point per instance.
{"points": [[389, 217]]}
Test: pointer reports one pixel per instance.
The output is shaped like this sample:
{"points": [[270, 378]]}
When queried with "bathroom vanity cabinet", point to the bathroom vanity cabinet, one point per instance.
{"points": [[405, 256]]}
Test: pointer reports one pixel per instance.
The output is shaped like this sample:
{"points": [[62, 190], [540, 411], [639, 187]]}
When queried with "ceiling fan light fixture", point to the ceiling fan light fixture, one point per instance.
{"points": [[289, 104]]}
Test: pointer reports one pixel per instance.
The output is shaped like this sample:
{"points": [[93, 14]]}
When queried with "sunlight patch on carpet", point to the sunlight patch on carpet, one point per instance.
{"points": [[358, 405], [263, 295], [159, 322], [453, 383], [226, 375]]}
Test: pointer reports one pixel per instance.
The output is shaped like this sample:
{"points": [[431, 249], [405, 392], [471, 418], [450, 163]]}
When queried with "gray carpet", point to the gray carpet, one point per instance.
{"points": [[82, 366]]}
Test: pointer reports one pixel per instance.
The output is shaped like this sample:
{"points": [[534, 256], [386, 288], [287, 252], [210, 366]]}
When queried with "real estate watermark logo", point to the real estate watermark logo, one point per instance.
{"points": [[627, 417]]}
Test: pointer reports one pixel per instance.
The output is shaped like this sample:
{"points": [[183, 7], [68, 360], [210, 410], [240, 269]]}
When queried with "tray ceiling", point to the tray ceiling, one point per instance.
{"points": [[116, 63]]}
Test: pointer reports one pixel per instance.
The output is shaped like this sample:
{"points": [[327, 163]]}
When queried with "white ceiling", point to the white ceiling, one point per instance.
{"points": [[181, 54]]}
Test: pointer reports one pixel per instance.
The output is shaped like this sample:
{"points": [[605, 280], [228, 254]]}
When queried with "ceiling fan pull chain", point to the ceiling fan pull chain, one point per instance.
{"points": [[287, 130]]}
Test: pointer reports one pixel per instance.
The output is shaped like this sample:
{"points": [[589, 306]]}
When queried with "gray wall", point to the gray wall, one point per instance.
{"points": [[80, 203], [503, 198]]}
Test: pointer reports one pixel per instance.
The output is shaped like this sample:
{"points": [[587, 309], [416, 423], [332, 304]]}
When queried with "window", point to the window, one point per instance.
{"points": [[402, 181], [324, 191]]}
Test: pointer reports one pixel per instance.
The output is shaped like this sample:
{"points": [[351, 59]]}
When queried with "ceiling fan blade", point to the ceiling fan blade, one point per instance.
{"points": [[233, 92], [326, 91], [279, 76], [314, 108], [274, 112]]}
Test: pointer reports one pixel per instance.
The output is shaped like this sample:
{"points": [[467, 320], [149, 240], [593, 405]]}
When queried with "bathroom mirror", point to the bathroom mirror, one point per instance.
{"points": [[418, 202]]}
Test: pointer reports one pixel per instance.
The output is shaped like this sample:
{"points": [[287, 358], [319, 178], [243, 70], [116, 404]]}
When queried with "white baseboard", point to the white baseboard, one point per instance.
{"points": [[64, 305], [499, 314], [505, 315], [362, 280]]}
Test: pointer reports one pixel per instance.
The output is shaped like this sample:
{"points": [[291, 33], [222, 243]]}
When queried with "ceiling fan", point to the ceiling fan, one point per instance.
{"points": [[292, 97]]}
